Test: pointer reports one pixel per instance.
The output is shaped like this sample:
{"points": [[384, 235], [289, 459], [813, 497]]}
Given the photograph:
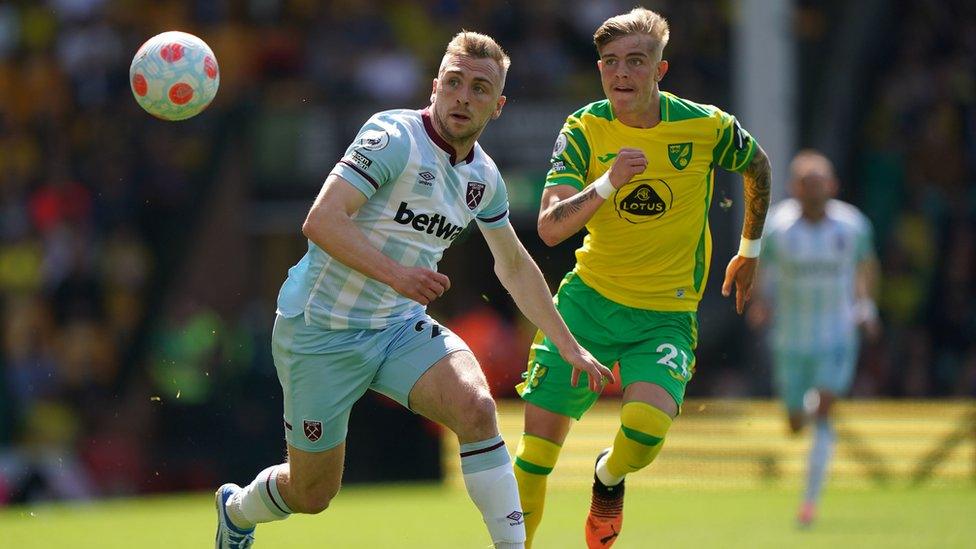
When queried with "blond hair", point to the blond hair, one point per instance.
{"points": [[479, 46], [807, 158], [638, 21]]}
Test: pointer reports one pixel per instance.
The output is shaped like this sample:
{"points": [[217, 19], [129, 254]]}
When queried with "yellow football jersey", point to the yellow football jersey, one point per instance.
{"points": [[649, 245]]}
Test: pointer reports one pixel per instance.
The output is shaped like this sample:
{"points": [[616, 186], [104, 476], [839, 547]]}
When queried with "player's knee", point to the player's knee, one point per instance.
{"points": [[313, 500], [826, 403], [478, 416], [796, 421], [642, 430]]}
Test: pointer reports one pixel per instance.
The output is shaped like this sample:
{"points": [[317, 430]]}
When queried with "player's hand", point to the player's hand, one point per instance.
{"points": [[758, 315], [420, 284], [742, 271], [629, 162], [872, 329], [582, 361]]}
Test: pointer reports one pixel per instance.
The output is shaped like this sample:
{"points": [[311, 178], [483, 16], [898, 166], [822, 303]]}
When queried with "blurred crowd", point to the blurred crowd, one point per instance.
{"points": [[112, 383], [916, 181]]}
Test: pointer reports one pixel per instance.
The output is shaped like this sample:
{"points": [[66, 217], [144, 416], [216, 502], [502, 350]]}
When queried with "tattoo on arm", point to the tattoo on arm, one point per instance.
{"points": [[567, 208], [756, 181]]}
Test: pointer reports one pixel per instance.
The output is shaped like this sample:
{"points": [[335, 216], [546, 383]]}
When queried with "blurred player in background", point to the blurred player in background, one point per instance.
{"points": [[635, 169], [819, 274], [351, 315]]}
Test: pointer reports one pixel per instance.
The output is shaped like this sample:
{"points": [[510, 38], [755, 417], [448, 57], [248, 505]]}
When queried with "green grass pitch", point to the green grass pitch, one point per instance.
{"points": [[442, 516]]}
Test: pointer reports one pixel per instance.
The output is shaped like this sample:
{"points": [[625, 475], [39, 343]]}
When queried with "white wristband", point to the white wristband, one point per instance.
{"points": [[603, 186], [749, 248]]}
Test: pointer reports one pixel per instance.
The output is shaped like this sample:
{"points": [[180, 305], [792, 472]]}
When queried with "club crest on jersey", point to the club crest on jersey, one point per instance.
{"points": [[680, 155], [476, 191], [313, 429]]}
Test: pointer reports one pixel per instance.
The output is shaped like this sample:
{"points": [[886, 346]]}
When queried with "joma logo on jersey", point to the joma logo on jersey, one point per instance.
{"points": [[644, 200], [435, 224]]}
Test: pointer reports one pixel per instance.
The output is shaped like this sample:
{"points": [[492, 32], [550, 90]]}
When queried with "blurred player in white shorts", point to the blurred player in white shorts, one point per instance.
{"points": [[818, 272]]}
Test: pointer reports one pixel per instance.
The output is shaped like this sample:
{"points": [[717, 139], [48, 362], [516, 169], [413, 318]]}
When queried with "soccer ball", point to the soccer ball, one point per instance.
{"points": [[174, 75]]}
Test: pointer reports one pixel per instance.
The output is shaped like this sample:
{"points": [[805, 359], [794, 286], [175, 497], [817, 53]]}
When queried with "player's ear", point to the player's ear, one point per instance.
{"points": [[498, 107], [433, 90], [832, 187], [662, 69]]}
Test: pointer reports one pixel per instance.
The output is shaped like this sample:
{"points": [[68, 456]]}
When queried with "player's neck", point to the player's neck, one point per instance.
{"points": [[459, 149], [644, 118], [814, 215]]}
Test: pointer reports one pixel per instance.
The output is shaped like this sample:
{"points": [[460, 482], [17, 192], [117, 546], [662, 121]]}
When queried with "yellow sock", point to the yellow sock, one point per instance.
{"points": [[639, 439], [534, 460]]}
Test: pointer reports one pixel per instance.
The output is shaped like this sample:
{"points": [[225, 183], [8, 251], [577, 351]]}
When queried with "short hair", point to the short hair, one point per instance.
{"points": [[479, 46], [806, 157], [638, 21]]}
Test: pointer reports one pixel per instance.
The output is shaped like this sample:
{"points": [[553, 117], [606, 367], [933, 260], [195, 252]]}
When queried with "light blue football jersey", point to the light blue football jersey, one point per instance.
{"points": [[808, 270], [420, 198]]}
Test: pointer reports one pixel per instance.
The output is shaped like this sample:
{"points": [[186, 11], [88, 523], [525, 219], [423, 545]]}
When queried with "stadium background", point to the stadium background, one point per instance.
{"points": [[140, 260]]}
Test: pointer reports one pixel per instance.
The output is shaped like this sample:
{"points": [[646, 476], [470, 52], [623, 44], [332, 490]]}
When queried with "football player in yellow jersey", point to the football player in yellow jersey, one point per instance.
{"points": [[636, 170]]}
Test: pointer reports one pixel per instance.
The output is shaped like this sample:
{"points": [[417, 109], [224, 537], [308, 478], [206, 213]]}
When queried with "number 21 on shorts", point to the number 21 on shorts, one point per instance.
{"points": [[679, 372]]}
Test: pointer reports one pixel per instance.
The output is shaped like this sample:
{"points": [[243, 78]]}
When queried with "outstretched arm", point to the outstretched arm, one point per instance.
{"points": [[520, 275], [742, 269]]}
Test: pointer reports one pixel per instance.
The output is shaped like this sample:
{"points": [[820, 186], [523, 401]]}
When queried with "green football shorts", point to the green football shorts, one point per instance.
{"points": [[653, 346]]}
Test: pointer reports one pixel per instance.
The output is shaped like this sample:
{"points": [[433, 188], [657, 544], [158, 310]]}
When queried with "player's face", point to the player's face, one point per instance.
{"points": [[813, 186], [630, 69], [465, 96]]}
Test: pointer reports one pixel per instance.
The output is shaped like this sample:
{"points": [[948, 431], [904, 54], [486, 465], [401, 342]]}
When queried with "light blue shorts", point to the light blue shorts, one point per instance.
{"points": [[324, 372], [796, 372]]}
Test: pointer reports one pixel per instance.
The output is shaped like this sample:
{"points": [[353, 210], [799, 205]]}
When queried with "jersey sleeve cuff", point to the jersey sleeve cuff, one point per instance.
{"points": [[748, 158], [493, 221], [358, 178], [565, 180]]}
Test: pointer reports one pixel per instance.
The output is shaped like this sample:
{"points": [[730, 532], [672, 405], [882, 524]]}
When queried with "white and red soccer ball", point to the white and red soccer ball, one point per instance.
{"points": [[174, 75]]}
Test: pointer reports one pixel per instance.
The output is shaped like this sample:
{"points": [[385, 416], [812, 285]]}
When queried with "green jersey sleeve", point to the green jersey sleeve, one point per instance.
{"points": [[570, 160], [735, 147]]}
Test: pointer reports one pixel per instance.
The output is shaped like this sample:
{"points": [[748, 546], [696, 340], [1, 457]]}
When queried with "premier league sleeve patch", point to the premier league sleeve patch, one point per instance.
{"points": [[374, 140]]}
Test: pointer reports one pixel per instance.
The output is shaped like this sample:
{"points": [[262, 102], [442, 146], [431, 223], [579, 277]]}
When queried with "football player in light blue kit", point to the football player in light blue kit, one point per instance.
{"points": [[351, 315], [818, 273]]}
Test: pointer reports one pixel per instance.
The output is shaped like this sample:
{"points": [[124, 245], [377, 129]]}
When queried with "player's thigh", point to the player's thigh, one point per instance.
{"points": [[834, 369], [454, 392], [418, 348], [322, 374], [653, 394], [663, 361], [542, 423], [793, 374]]}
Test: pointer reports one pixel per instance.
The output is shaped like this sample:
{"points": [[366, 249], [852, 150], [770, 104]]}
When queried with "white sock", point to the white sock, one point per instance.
{"points": [[258, 502], [820, 452], [491, 484], [603, 473]]}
